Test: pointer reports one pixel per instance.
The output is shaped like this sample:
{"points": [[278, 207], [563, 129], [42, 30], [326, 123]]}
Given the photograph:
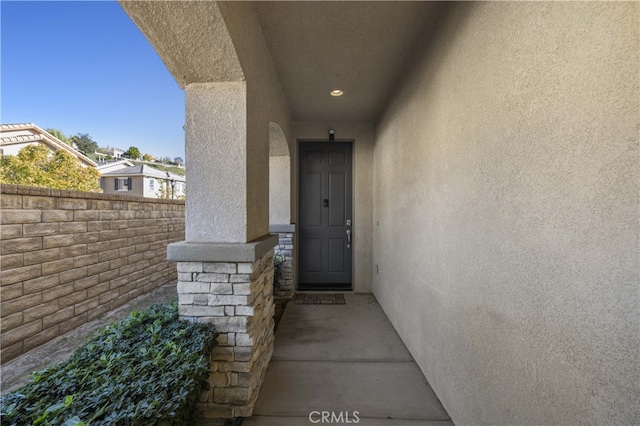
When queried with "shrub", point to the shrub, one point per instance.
{"points": [[149, 368], [278, 260], [35, 165]]}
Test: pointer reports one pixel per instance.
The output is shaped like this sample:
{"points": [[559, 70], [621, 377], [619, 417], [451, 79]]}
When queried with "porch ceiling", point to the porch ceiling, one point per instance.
{"points": [[358, 47]]}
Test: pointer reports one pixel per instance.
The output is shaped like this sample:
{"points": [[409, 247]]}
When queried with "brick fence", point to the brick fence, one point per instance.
{"points": [[68, 257]]}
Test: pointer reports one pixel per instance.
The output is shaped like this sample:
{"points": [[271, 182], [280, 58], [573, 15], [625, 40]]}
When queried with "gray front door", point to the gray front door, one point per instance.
{"points": [[325, 216]]}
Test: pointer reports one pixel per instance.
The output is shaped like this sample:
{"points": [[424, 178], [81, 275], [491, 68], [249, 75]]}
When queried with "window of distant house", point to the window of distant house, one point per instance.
{"points": [[123, 184], [152, 184]]}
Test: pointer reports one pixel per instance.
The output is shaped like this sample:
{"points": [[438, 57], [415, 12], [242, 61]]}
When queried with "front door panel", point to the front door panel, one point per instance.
{"points": [[325, 209]]}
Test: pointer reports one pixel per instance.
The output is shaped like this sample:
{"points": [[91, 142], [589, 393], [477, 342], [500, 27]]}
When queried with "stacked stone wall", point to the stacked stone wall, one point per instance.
{"points": [[68, 257], [285, 249], [237, 298]]}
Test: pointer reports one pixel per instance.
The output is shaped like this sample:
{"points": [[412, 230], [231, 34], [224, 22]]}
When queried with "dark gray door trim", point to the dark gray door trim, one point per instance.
{"points": [[335, 281]]}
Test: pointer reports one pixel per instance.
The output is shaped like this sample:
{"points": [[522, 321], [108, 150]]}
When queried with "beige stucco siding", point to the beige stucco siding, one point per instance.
{"points": [[279, 190], [265, 103], [506, 212], [217, 52]]}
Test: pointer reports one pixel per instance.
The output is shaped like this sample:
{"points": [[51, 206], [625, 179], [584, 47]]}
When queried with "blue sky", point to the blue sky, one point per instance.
{"points": [[84, 67]]}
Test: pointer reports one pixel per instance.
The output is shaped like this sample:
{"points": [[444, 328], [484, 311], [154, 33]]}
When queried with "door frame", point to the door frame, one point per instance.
{"points": [[299, 142]]}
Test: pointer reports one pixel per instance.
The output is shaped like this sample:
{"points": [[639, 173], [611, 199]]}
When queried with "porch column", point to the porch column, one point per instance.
{"points": [[216, 151], [223, 278]]}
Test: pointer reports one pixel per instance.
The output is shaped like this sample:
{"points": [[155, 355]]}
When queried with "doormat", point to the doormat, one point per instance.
{"points": [[320, 299]]}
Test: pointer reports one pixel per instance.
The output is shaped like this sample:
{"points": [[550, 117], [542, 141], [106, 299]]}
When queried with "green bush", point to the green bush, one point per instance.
{"points": [[149, 368], [278, 260]]}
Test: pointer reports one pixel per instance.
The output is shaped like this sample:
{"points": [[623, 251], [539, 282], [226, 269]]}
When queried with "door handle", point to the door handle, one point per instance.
{"points": [[348, 236], [326, 202]]}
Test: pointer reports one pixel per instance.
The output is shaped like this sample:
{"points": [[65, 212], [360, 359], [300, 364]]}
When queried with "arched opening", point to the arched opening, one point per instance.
{"points": [[280, 213], [279, 177]]}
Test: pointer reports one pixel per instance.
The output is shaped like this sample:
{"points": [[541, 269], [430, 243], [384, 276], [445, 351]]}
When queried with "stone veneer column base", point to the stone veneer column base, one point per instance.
{"points": [[230, 285], [285, 248]]}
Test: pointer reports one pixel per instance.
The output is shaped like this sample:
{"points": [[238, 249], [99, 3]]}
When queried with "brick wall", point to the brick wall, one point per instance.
{"points": [[68, 257]]}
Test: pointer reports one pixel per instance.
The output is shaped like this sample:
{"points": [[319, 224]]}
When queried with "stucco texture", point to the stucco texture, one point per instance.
{"points": [[265, 105], [279, 190], [506, 212], [217, 52], [190, 37], [281, 205], [216, 206]]}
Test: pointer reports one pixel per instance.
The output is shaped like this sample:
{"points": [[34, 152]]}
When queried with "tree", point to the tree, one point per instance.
{"points": [[36, 165], [106, 153], [56, 133], [178, 160], [85, 144], [147, 157], [166, 191], [133, 153]]}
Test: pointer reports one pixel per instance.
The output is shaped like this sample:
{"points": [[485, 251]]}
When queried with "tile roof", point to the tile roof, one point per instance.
{"points": [[144, 170], [39, 135]]}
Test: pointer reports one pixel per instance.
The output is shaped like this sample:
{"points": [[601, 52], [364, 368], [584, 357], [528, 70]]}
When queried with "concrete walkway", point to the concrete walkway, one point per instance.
{"points": [[347, 361]]}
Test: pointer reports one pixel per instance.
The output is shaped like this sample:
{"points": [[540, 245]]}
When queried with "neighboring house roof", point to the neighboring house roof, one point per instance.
{"points": [[29, 133], [146, 171], [110, 166]]}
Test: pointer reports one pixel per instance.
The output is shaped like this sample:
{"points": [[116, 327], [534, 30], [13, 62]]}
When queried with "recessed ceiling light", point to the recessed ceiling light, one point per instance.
{"points": [[337, 92]]}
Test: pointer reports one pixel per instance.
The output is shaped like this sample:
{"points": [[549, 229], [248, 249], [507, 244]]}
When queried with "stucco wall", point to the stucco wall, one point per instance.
{"points": [[506, 212], [217, 52], [279, 190], [265, 104], [216, 140], [363, 136]]}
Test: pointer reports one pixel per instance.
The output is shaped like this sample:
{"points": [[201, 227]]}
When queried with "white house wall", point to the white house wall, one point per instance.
{"points": [[506, 212], [14, 149], [147, 192]]}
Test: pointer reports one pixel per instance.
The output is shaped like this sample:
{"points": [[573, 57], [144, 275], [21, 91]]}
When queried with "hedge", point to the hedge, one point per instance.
{"points": [[149, 368]]}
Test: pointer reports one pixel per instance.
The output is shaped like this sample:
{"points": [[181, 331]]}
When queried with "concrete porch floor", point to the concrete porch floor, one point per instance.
{"points": [[342, 359]]}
